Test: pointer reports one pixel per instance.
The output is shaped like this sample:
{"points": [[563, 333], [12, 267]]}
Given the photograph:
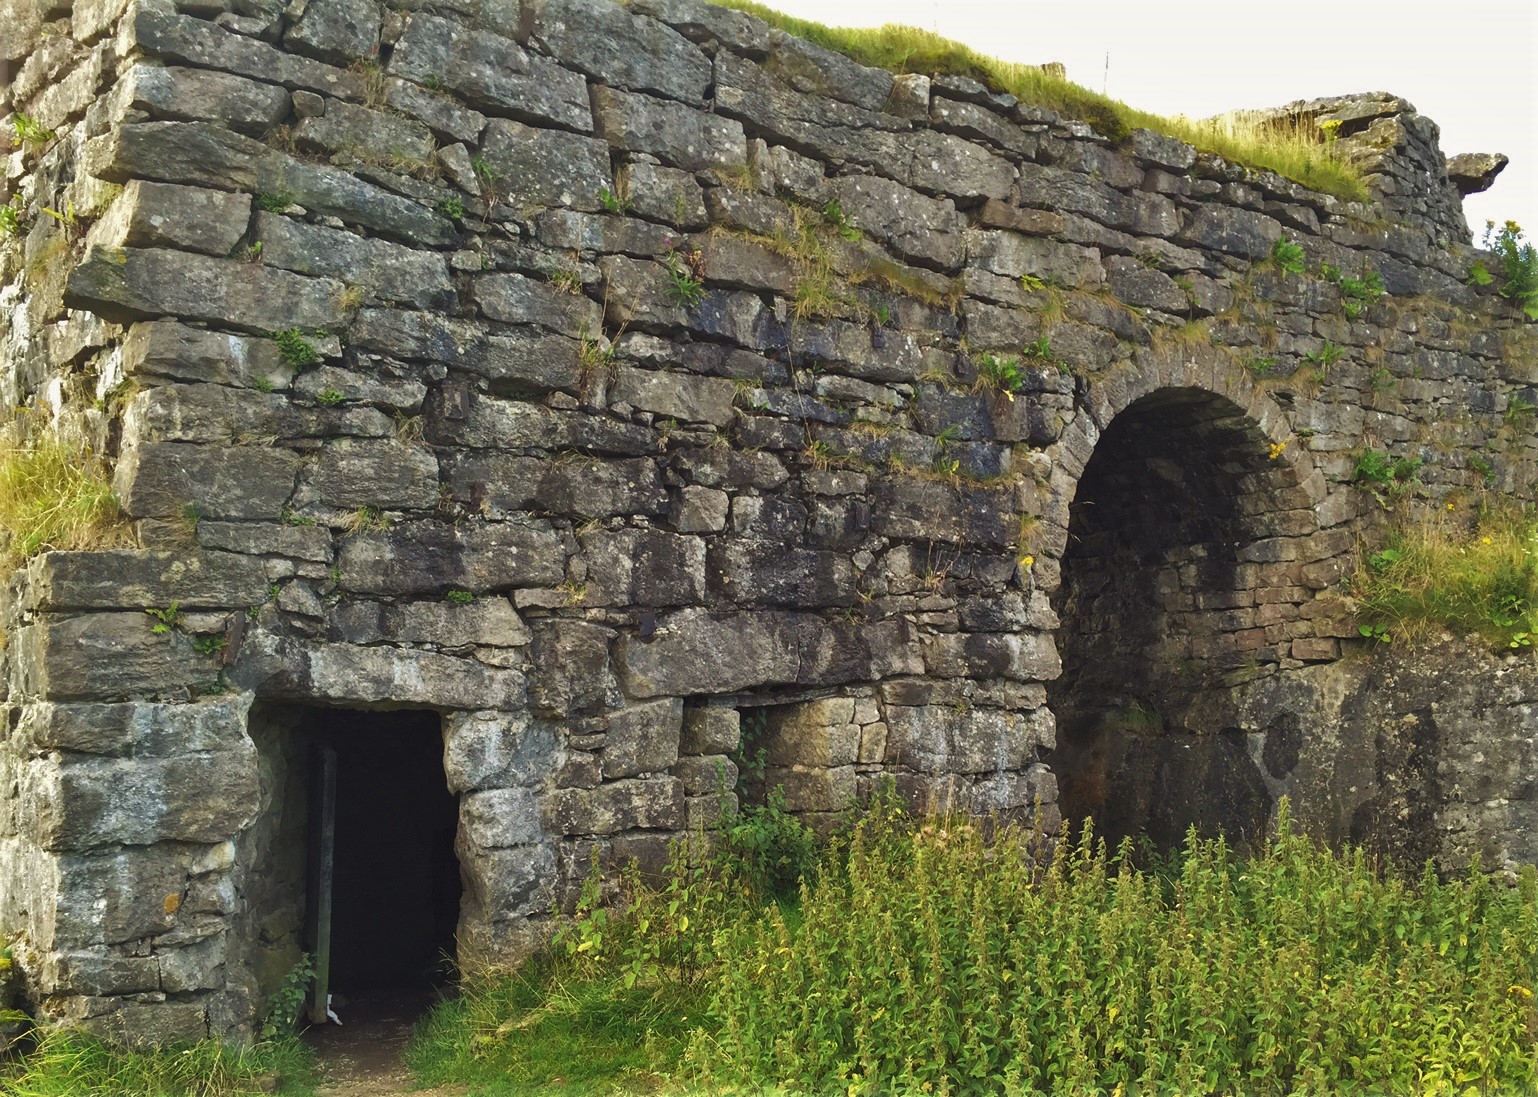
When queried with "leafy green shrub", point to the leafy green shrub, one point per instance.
{"points": [[1519, 263], [767, 848], [1376, 468], [686, 278], [1436, 572], [1288, 256], [297, 350], [1000, 373], [11, 215], [949, 961]]}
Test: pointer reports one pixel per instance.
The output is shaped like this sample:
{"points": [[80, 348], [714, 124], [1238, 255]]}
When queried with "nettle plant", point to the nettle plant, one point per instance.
{"points": [[1519, 265]]}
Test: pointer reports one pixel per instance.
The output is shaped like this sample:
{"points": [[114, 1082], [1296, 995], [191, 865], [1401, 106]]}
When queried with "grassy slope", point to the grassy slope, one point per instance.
{"points": [[1302, 156]]}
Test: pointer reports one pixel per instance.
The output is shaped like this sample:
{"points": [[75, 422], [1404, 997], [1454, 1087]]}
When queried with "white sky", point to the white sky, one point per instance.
{"points": [[1466, 64]]}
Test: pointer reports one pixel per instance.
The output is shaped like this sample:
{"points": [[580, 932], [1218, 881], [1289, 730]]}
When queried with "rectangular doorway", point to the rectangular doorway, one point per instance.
{"points": [[354, 860]]}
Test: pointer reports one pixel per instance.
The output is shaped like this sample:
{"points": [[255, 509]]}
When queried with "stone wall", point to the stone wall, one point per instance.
{"points": [[633, 380]]}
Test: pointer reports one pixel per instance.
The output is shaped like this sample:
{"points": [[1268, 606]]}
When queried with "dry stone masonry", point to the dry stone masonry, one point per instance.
{"points": [[613, 397]]}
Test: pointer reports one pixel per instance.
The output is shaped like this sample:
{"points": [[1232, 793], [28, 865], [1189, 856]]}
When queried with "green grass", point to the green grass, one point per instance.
{"points": [[54, 496], [71, 1064], [942, 956], [1439, 569], [553, 1028], [1300, 154]]}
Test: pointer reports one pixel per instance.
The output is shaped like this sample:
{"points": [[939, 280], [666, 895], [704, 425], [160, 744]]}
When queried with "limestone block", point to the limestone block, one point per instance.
{"points": [[654, 803], [711, 729], [393, 272], [164, 348], [136, 578], [595, 489], [622, 49], [632, 567], [492, 72], [517, 299], [162, 479], [188, 94], [370, 675], [495, 750], [509, 883], [161, 33], [350, 473], [681, 396], [945, 164], [442, 114], [86, 801], [430, 557], [200, 154], [815, 733], [642, 739], [699, 510], [1025, 657], [744, 264], [500, 818], [151, 215], [981, 124], [104, 656], [308, 543], [337, 31], [355, 132], [772, 573], [664, 194], [703, 22], [823, 790], [127, 284], [1235, 231], [570, 666], [675, 134], [695, 651], [100, 972], [1013, 255], [916, 227], [489, 622], [547, 167], [710, 775], [141, 729]]}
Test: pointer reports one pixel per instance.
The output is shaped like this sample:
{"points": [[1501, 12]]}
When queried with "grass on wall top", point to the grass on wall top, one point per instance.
{"points": [[1298, 153]]}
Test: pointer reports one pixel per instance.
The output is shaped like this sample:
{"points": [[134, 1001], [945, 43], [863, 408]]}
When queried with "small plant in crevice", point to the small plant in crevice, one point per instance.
{"points": [[459, 597], [1356, 293], [1378, 470], [1288, 256], [1519, 265], [567, 281], [166, 620], [29, 130], [613, 201], [452, 207], [686, 277], [1484, 468], [276, 202], [1378, 634], [833, 214], [366, 519], [1520, 414], [1323, 358], [12, 214], [1003, 374], [330, 397], [296, 349]]}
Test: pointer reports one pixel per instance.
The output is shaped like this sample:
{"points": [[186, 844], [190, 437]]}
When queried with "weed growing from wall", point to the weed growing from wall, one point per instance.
{"points": [[52, 495]]}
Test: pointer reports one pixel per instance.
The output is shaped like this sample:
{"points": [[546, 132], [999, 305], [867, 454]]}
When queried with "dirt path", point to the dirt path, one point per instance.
{"points": [[362, 1056]]}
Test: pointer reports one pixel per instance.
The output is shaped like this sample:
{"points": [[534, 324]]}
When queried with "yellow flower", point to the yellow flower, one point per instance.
{"points": [[1027, 561], [1278, 447], [1486, 541], [1449, 506]]}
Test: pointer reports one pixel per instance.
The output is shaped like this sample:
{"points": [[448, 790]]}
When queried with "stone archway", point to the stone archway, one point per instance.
{"points": [[1190, 529]]}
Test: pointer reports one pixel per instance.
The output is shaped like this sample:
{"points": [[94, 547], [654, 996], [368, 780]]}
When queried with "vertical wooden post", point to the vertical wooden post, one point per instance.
{"points": [[323, 866]]}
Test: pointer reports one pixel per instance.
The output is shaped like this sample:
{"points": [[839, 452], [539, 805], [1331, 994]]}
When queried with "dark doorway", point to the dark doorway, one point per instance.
{"points": [[395, 885], [1159, 619]]}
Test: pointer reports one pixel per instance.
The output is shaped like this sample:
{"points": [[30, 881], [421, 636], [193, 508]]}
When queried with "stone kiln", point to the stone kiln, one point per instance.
{"points": [[513, 401]]}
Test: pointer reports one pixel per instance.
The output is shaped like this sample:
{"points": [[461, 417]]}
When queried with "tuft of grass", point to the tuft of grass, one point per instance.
{"points": [[1298, 152], [1437, 570], [72, 1064], [55, 496]]}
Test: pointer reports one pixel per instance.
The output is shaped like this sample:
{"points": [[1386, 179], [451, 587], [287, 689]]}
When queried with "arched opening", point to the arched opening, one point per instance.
{"points": [[1178, 578]]}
